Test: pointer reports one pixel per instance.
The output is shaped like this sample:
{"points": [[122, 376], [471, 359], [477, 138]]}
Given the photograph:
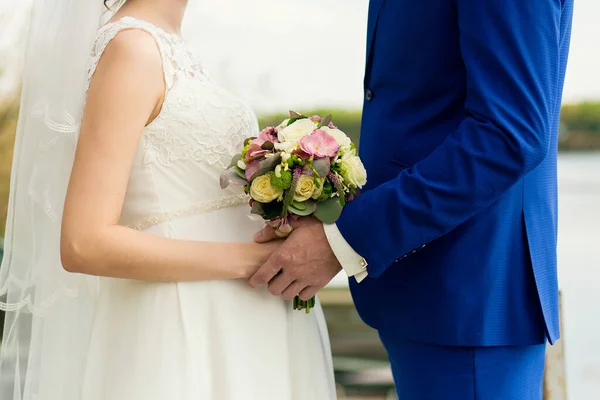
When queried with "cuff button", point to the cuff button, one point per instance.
{"points": [[363, 264]]}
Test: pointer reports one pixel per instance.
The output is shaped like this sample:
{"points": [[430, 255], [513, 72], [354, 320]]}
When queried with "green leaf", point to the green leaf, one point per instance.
{"points": [[327, 188], [325, 121], [231, 177], [295, 119], [240, 172], [248, 140], [268, 211], [303, 209], [321, 166], [294, 116], [329, 211], [267, 165], [234, 161], [299, 205]]}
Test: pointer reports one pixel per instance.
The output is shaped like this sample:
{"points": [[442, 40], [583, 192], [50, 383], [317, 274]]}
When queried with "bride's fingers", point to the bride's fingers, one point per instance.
{"points": [[266, 234], [292, 291], [278, 284], [308, 293]]}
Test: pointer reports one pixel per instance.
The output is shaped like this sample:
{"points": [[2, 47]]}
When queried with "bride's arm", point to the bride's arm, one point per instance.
{"points": [[126, 93]]}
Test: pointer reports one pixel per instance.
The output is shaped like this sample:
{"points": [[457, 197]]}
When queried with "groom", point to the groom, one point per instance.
{"points": [[451, 248]]}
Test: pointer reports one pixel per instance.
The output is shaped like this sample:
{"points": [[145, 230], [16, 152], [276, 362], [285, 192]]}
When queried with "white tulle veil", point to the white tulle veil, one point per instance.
{"points": [[48, 311]]}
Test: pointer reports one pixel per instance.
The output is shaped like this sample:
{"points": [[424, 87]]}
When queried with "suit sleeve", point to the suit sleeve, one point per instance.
{"points": [[511, 54]]}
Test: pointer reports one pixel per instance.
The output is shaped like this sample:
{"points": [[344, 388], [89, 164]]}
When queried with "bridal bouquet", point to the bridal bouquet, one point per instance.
{"points": [[305, 166]]}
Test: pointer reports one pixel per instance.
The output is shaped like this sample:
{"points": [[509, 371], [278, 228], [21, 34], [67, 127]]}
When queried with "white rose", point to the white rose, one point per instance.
{"points": [[305, 188], [286, 147], [282, 125], [340, 137], [297, 130], [353, 170], [262, 191]]}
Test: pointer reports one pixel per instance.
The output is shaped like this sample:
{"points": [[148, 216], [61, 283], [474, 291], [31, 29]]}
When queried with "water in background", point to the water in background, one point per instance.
{"points": [[579, 272]]}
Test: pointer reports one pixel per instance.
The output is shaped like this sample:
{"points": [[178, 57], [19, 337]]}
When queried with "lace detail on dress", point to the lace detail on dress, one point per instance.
{"points": [[200, 208], [177, 60], [206, 144], [199, 121]]}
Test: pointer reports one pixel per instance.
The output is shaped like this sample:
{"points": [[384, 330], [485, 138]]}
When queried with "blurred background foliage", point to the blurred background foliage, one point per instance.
{"points": [[9, 110], [580, 131]]}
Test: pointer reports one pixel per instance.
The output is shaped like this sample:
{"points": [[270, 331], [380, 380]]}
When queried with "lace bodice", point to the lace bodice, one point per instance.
{"points": [[185, 148]]}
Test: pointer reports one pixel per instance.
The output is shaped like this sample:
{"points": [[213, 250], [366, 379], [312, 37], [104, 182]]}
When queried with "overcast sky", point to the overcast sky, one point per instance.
{"points": [[280, 54], [301, 53]]}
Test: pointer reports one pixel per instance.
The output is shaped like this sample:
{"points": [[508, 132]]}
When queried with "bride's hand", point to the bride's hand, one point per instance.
{"points": [[261, 252]]}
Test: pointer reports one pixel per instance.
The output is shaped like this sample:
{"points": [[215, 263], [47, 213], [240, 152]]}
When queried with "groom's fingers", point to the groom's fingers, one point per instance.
{"points": [[293, 290], [265, 273], [278, 284], [308, 293], [266, 234]]}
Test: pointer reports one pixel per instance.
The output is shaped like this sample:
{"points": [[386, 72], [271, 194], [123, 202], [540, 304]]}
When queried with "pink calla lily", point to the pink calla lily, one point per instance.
{"points": [[319, 144]]}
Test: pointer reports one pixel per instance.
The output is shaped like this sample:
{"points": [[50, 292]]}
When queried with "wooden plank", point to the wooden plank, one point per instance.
{"points": [[555, 384]]}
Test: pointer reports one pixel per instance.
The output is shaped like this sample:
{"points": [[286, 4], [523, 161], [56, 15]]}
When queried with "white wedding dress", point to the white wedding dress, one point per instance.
{"points": [[214, 340]]}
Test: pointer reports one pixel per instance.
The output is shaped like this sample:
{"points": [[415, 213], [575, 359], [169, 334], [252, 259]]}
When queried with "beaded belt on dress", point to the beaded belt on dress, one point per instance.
{"points": [[199, 208]]}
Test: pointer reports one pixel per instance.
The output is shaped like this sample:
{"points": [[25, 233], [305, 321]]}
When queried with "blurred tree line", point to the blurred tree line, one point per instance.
{"points": [[579, 127], [9, 110], [580, 130]]}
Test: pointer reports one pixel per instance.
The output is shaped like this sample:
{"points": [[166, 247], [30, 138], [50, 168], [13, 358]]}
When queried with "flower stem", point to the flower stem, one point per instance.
{"points": [[289, 197]]}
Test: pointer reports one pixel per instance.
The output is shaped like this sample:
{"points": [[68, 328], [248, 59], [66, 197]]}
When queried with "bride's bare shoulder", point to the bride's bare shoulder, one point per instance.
{"points": [[132, 54], [132, 44], [129, 73]]}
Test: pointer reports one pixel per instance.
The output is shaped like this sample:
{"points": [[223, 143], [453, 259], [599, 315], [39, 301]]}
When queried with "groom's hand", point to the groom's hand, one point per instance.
{"points": [[303, 263]]}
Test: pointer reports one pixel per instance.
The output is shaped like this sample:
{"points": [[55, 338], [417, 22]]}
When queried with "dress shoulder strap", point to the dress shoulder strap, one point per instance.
{"points": [[164, 41]]}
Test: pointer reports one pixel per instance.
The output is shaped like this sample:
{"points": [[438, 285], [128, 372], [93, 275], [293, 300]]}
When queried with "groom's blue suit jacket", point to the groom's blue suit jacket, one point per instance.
{"points": [[458, 221]]}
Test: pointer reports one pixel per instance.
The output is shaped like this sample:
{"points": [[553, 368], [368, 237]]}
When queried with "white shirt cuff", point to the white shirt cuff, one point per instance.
{"points": [[352, 263]]}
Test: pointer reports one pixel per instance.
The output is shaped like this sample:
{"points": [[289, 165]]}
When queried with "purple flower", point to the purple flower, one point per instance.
{"points": [[251, 169], [255, 152], [319, 144]]}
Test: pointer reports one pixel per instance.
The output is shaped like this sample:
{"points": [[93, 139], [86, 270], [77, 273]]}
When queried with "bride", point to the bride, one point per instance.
{"points": [[121, 140]]}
